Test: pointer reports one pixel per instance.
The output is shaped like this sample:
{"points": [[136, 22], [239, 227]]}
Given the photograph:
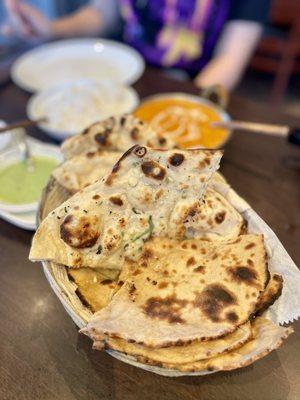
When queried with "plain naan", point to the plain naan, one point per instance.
{"points": [[117, 133], [84, 169], [181, 354], [266, 337]]}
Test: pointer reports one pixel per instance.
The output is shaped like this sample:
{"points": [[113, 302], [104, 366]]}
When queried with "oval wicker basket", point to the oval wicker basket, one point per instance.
{"points": [[65, 289]]}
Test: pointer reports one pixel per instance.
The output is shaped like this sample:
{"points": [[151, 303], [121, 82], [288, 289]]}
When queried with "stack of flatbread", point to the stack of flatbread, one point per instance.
{"points": [[158, 254]]}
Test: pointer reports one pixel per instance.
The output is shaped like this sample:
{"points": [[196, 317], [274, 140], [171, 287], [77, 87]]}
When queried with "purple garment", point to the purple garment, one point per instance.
{"points": [[146, 21]]}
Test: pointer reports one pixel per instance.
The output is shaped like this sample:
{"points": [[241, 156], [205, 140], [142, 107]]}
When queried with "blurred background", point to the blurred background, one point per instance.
{"points": [[271, 74], [268, 72]]}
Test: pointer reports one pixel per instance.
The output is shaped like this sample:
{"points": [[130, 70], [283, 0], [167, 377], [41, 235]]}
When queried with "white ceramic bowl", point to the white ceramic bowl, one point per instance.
{"points": [[73, 106], [14, 155], [224, 116]]}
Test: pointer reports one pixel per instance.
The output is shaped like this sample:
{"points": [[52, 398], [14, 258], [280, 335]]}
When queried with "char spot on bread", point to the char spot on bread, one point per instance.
{"points": [[191, 261], [176, 159], [219, 218], [134, 133], [168, 308], [102, 138], [213, 300], [153, 170], [116, 200], [243, 274], [79, 232], [139, 151]]}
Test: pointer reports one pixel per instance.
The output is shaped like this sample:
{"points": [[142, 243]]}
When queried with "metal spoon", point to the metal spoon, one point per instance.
{"points": [[19, 138], [291, 133]]}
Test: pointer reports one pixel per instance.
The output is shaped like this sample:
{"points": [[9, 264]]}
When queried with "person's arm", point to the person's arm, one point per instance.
{"points": [[232, 54], [29, 23], [87, 21]]}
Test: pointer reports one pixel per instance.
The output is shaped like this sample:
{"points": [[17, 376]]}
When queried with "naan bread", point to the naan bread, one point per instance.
{"points": [[117, 133], [113, 217], [212, 219], [271, 293], [181, 354], [179, 292], [95, 287], [84, 169], [266, 337]]}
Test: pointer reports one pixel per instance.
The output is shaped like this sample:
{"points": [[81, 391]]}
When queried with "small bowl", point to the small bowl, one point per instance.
{"points": [[55, 98], [224, 116], [14, 155]]}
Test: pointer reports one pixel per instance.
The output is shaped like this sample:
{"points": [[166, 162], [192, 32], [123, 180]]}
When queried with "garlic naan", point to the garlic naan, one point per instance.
{"points": [[113, 217]]}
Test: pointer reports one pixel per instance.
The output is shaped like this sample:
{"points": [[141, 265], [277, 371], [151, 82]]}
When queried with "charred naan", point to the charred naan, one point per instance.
{"points": [[178, 292], [181, 354], [266, 337], [117, 133], [112, 218]]}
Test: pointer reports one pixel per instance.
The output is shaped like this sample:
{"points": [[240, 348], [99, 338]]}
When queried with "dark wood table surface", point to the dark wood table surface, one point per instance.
{"points": [[42, 356]]}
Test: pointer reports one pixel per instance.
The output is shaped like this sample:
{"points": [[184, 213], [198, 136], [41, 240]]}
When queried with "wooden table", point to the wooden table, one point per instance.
{"points": [[43, 357]]}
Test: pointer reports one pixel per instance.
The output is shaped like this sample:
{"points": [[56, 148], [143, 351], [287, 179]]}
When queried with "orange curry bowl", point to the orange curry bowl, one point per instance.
{"points": [[186, 119]]}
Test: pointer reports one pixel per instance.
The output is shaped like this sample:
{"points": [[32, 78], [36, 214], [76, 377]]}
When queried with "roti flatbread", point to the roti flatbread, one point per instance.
{"points": [[95, 287], [181, 354], [113, 217], [266, 337], [117, 133], [271, 293], [179, 292]]}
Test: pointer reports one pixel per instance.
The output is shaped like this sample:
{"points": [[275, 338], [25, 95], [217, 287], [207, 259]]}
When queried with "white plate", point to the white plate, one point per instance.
{"points": [[22, 220], [71, 107], [14, 155], [68, 60]]}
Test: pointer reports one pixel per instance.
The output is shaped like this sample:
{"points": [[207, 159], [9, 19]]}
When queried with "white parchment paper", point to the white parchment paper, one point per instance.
{"points": [[287, 308]]}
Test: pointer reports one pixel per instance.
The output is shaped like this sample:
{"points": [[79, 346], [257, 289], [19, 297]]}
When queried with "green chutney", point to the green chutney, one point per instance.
{"points": [[22, 185]]}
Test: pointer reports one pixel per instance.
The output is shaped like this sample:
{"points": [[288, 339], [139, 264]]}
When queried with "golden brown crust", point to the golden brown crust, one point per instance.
{"points": [[271, 294]]}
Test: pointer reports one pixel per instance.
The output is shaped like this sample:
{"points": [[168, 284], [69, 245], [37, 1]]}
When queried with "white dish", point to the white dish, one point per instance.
{"points": [[73, 106], [14, 155], [6, 138], [22, 220], [68, 60]]}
